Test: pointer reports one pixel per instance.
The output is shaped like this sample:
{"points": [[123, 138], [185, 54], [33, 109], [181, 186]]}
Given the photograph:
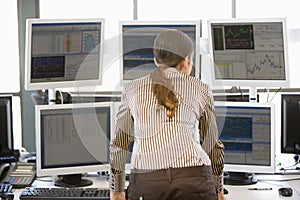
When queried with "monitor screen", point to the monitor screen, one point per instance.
{"points": [[6, 126], [137, 41], [73, 139], [290, 127], [249, 52], [63, 53], [247, 131]]}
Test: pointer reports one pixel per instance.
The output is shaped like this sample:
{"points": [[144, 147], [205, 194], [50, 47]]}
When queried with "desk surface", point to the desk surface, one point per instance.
{"points": [[235, 192], [266, 181]]}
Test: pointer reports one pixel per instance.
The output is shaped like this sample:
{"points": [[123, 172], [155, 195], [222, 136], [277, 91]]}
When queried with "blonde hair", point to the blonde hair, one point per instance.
{"points": [[170, 48]]}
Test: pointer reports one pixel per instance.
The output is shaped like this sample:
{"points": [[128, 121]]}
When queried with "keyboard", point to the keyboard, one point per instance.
{"points": [[65, 193], [7, 159], [6, 191], [5, 188]]}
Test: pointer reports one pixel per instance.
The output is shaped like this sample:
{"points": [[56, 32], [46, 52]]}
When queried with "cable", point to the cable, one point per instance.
{"points": [[241, 92], [267, 181], [268, 94], [61, 97], [275, 94], [279, 180], [45, 178], [297, 161]]}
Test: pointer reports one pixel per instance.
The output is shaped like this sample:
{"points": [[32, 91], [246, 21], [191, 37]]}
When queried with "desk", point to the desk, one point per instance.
{"points": [[265, 181], [235, 192]]}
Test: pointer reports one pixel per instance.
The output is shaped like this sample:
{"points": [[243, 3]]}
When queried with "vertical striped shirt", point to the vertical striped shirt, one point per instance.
{"points": [[161, 142]]}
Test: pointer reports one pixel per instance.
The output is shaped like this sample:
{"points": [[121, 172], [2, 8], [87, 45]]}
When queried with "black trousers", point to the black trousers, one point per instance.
{"points": [[172, 184]]}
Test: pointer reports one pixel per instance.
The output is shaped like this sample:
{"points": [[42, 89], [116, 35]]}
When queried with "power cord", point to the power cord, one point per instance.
{"points": [[297, 161], [274, 95]]}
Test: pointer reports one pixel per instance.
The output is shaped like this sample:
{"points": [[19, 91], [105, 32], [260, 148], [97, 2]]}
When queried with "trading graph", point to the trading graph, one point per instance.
{"points": [[239, 37], [262, 65], [90, 40], [50, 67], [235, 127]]}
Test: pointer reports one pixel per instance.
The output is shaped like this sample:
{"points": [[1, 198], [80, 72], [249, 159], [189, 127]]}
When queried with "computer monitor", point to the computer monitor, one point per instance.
{"points": [[137, 45], [72, 139], [63, 53], [6, 126], [290, 127], [247, 131], [249, 52]]}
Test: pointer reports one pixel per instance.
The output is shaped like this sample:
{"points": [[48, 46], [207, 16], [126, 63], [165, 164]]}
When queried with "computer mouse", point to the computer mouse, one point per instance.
{"points": [[285, 191], [225, 191]]}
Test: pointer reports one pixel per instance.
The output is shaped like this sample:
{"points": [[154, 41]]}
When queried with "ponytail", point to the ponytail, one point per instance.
{"points": [[170, 48], [163, 91]]}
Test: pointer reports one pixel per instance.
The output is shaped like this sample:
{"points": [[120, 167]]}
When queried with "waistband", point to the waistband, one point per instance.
{"points": [[170, 173]]}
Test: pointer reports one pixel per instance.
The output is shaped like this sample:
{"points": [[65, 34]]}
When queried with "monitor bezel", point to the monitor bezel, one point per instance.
{"points": [[286, 147], [60, 84], [7, 100], [65, 170], [197, 23], [254, 168], [248, 82]]}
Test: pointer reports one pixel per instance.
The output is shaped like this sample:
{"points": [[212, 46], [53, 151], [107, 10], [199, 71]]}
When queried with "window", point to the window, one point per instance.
{"points": [[112, 10], [9, 51], [184, 10]]}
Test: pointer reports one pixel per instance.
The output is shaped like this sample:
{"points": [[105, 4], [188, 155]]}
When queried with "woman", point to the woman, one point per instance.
{"points": [[160, 111]]}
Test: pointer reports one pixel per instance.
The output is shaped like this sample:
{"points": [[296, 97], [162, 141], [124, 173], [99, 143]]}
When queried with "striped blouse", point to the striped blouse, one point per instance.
{"points": [[161, 142]]}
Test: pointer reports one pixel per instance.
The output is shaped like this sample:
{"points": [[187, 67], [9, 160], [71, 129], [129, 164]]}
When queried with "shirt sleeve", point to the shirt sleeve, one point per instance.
{"points": [[211, 143], [119, 147]]}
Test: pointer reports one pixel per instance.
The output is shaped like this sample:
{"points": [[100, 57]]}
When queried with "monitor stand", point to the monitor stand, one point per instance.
{"points": [[252, 95], [51, 96], [72, 180], [239, 178]]}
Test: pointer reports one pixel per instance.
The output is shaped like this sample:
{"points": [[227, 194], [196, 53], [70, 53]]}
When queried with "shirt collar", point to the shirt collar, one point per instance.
{"points": [[171, 69]]}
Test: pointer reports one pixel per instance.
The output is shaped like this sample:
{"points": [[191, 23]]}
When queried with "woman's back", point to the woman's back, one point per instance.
{"points": [[157, 136], [161, 112]]}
